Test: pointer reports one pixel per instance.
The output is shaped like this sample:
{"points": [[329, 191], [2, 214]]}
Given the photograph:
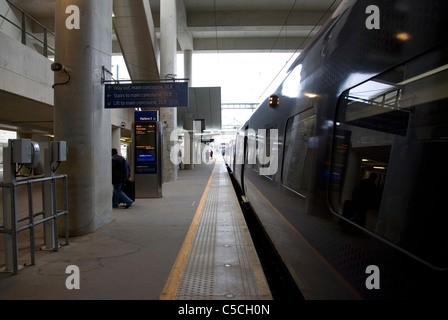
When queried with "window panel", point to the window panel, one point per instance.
{"points": [[299, 131], [387, 174]]}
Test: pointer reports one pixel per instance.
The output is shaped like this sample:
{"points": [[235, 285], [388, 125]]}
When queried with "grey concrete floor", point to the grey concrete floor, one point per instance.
{"points": [[128, 259]]}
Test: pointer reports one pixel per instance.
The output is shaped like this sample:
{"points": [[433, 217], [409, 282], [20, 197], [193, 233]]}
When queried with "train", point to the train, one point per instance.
{"points": [[343, 163]]}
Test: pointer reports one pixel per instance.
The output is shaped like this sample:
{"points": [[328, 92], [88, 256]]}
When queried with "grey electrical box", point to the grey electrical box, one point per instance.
{"points": [[59, 151], [21, 151]]}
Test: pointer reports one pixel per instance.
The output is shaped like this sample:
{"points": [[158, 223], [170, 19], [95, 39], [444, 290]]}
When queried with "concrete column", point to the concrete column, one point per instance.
{"points": [[168, 51], [188, 66], [79, 113], [188, 117], [116, 136]]}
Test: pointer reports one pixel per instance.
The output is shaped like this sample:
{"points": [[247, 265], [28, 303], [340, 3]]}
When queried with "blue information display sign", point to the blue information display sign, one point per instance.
{"points": [[145, 116], [147, 95], [146, 145]]}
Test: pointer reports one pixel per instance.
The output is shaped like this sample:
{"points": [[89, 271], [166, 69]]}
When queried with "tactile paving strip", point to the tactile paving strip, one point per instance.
{"points": [[222, 262]]}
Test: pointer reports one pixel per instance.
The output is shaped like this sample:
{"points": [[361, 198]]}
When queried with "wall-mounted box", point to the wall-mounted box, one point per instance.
{"points": [[21, 151], [59, 151]]}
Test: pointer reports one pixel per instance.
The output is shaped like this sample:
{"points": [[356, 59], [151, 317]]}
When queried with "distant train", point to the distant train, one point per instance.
{"points": [[365, 101]]}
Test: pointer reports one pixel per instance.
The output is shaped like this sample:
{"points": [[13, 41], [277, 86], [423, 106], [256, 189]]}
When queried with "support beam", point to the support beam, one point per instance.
{"points": [[135, 31]]}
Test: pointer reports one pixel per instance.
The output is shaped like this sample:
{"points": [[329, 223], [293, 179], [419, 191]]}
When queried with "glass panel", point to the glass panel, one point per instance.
{"points": [[391, 139], [299, 132]]}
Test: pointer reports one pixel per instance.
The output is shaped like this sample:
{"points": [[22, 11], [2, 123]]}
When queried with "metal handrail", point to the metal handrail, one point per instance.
{"points": [[32, 223], [239, 106], [22, 27]]}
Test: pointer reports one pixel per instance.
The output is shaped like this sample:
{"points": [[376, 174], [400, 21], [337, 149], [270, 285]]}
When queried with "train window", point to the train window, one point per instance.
{"points": [[390, 144], [239, 155], [298, 152]]}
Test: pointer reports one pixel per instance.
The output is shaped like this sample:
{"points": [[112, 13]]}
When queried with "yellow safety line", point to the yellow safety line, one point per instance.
{"points": [[326, 263], [172, 284]]}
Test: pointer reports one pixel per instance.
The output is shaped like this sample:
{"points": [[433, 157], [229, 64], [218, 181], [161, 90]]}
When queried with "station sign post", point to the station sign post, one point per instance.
{"points": [[147, 130], [148, 154], [146, 95]]}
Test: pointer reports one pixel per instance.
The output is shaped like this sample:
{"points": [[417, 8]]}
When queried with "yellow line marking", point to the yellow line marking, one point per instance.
{"points": [[172, 284], [317, 253]]}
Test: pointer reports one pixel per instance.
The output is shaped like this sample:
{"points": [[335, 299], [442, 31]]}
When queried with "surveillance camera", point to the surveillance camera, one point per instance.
{"points": [[57, 67]]}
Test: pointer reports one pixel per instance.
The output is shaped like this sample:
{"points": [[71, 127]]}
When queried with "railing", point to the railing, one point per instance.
{"points": [[46, 48], [239, 106], [47, 215]]}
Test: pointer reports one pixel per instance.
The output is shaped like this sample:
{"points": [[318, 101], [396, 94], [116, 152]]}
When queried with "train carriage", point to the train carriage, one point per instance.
{"points": [[343, 164]]}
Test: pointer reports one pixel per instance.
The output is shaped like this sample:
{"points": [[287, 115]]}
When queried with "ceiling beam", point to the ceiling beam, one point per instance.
{"points": [[134, 28], [251, 44], [184, 35]]}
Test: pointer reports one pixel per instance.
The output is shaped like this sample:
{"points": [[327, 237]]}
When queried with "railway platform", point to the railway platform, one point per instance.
{"points": [[192, 244]]}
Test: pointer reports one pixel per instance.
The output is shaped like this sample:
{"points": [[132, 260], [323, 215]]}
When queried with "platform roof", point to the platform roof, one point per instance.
{"points": [[248, 25], [204, 26], [224, 25]]}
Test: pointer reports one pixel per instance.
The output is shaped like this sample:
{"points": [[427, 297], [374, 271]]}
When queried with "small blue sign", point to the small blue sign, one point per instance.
{"points": [[147, 95], [146, 116]]}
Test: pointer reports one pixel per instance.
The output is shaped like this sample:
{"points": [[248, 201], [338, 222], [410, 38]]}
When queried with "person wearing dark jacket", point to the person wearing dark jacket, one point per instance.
{"points": [[119, 176], [365, 196]]}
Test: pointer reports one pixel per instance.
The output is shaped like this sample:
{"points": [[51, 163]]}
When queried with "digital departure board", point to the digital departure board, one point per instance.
{"points": [[145, 142]]}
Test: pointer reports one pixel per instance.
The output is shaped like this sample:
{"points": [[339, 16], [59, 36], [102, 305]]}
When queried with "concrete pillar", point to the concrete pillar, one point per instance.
{"points": [[188, 117], [188, 66], [116, 136], [168, 52], [79, 113]]}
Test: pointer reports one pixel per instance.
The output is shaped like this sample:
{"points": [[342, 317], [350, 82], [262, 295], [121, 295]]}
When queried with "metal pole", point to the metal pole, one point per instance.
{"points": [[66, 210], [45, 43], [31, 221], [23, 28], [49, 240], [15, 240], [8, 179], [55, 214]]}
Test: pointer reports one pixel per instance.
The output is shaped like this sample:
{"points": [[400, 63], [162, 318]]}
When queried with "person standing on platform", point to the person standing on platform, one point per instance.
{"points": [[119, 176]]}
